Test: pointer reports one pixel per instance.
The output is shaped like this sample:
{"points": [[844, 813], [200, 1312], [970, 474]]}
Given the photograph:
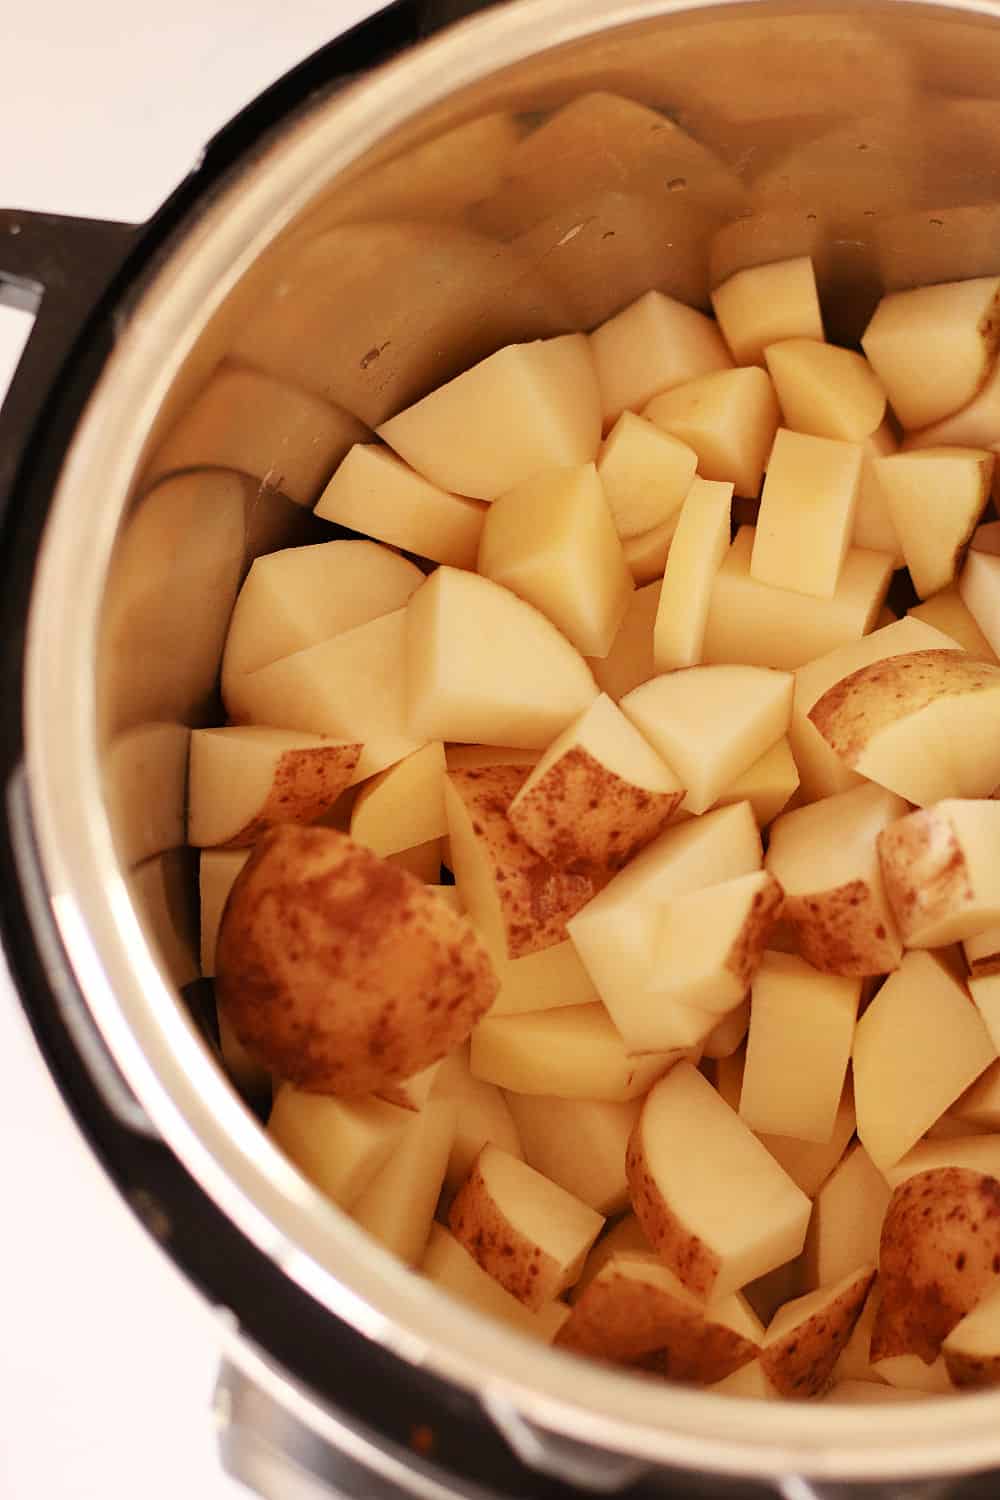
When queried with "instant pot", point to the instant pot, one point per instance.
{"points": [[867, 135]]}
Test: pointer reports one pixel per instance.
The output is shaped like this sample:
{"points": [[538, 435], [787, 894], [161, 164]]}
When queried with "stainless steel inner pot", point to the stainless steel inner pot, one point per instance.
{"points": [[868, 135]]}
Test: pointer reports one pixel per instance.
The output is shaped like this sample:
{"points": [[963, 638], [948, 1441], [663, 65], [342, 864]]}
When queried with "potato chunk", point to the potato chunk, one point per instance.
{"points": [[806, 1337], [846, 1224], [526, 408], [647, 554], [710, 723], [710, 944], [527, 1232], [403, 807], [573, 1052], [485, 667], [645, 474], [935, 498], [630, 660], [919, 1045], [579, 1144], [767, 785], [826, 391], [699, 544], [940, 870], [946, 611], [806, 513], [597, 796], [699, 1182], [972, 1348], [552, 541], [653, 345], [321, 938], [481, 1115], [448, 1265], [397, 1206], [339, 1144], [764, 304], [729, 418], [542, 981]]}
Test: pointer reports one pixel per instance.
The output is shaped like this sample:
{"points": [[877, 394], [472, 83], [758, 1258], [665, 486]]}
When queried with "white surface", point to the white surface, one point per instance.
{"points": [[107, 1358]]}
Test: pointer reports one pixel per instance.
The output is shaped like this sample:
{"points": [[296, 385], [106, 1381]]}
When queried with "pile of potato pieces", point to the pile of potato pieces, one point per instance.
{"points": [[652, 1018]]}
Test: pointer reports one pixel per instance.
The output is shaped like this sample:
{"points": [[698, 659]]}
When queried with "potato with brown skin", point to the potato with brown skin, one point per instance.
{"points": [[972, 1349], [807, 1337], [939, 1256], [342, 972]]}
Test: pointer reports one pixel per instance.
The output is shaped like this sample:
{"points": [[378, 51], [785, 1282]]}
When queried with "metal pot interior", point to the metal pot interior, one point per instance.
{"points": [[372, 251]]}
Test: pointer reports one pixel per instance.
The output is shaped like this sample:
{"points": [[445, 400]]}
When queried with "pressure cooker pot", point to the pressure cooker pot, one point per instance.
{"points": [[357, 237]]}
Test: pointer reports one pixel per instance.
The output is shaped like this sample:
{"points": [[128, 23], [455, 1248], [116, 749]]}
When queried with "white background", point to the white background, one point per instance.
{"points": [[107, 1359]]}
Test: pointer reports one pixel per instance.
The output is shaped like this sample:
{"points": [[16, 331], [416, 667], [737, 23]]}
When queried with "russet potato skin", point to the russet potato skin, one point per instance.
{"points": [[694, 1262], [341, 971], [939, 1256], [801, 1364], [306, 783], [970, 1372], [523, 1268]]}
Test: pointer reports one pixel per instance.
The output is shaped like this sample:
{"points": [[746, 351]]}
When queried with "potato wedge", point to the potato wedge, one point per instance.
{"points": [[321, 938], [972, 1349], [940, 874], [806, 1337]]}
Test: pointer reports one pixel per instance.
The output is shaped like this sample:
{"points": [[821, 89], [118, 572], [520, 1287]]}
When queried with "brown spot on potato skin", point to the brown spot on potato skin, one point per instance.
{"points": [[306, 783], [536, 899], [583, 818], [801, 1364], [842, 931], [313, 974], [517, 1263], [932, 1220], [923, 869], [972, 1372], [691, 1260], [743, 958]]}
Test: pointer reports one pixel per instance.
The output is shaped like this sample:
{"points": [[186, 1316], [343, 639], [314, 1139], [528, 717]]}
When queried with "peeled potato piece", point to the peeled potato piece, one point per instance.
{"points": [[974, 426], [526, 408], [483, 666], [578, 1144], [940, 871], [542, 981], [767, 785], [799, 1045], [939, 1256], [217, 870], [403, 807], [322, 938], [761, 305], [653, 345], [729, 418], [873, 525], [636, 1312], [244, 780], [339, 1144], [710, 723], [762, 626], [630, 660], [917, 1048], [552, 541], [825, 391], [807, 509], [710, 944], [826, 859], [935, 498], [699, 544], [979, 1106], [972, 1348], [933, 347], [806, 1337], [847, 1219], [397, 1206], [448, 1265], [481, 1115], [946, 611], [597, 796], [925, 725], [247, 421], [625, 1236], [574, 1052], [527, 1232], [516, 898], [698, 1177], [645, 474], [728, 1035], [979, 587], [647, 554], [810, 1163], [374, 491]]}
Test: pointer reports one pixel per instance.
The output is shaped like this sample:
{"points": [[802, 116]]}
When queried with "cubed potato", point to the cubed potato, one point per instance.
{"points": [[647, 555], [946, 611], [303, 595], [728, 1035], [806, 1337], [616, 933], [806, 513], [710, 723], [698, 1177], [623, 1237], [767, 785], [974, 426], [374, 491], [351, 687], [217, 870], [481, 1115], [809, 1163], [630, 660], [552, 541], [599, 794], [823, 773], [542, 981], [515, 898], [709, 946], [247, 421], [448, 1265], [935, 498], [699, 544], [339, 1144], [917, 1048], [403, 807], [763, 304], [979, 1106], [244, 780], [873, 526], [826, 859], [801, 1030], [483, 666], [933, 347], [527, 1232], [925, 725], [645, 473], [972, 1349], [579, 1144], [653, 345], [979, 588], [729, 418], [526, 408], [145, 773], [846, 1222], [826, 391], [635, 1311], [762, 626], [574, 1052], [397, 1207], [976, 1153], [940, 871]]}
